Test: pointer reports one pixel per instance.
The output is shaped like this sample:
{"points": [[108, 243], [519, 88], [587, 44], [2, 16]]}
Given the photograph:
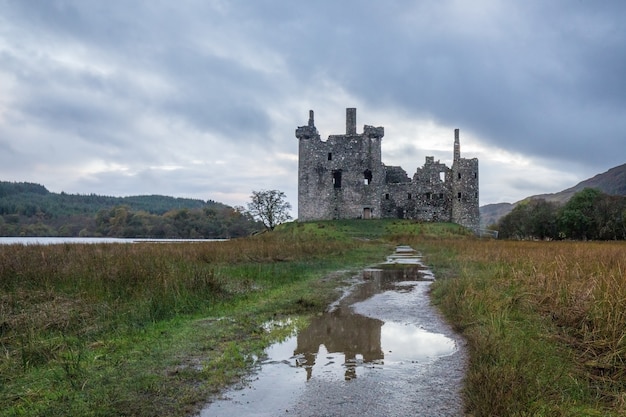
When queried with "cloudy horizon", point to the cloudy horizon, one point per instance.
{"points": [[200, 99]]}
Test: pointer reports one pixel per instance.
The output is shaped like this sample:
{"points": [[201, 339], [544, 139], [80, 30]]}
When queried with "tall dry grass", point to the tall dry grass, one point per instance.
{"points": [[581, 286], [97, 329], [577, 288], [81, 291]]}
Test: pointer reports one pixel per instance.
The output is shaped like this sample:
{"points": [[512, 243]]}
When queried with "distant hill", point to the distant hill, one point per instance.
{"points": [[491, 213], [611, 182], [28, 209], [16, 197]]}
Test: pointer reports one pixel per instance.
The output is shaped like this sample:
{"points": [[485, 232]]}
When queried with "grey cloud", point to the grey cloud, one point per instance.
{"points": [[216, 95], [536, 78], [524, 92]]}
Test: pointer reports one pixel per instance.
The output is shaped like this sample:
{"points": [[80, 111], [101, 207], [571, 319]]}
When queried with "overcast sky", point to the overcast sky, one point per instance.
{"points": [[201, 98]]}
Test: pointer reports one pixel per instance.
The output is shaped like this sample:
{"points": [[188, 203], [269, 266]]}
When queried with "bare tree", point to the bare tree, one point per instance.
{"points": [[270, 207]]}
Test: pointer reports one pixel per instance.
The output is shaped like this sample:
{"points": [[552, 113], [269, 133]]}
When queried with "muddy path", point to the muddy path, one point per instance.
{"points": [[380, 350]]}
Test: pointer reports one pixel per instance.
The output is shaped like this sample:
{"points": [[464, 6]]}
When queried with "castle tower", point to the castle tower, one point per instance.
{"points": [[464, 172], [308, 144], [340, 178]]}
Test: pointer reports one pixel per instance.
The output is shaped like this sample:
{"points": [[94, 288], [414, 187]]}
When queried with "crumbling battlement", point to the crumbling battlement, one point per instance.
{"points": [[344, 178]]}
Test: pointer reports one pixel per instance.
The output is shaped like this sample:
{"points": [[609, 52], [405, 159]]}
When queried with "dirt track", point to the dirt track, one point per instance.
{"points": [[382, 350]]}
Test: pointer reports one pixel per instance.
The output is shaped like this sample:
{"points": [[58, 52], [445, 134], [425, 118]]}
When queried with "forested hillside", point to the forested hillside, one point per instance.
{"points": [[589, 214], [28, 209], [611, 182]]}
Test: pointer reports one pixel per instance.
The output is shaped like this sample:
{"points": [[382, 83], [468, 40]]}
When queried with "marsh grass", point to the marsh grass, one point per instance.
{"points": [[545, 323], [153, 329], [150, 328]]}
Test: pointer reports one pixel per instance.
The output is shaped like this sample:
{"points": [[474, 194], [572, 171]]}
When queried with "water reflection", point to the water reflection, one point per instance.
{"points": [[342, 335], [336, 344], [405, 342], [373, 327], [348, 334], [92, 240]]}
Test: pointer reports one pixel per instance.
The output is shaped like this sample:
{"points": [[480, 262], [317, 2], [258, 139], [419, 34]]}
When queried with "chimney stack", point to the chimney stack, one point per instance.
{"points": [[351, 121], [457, 145]]}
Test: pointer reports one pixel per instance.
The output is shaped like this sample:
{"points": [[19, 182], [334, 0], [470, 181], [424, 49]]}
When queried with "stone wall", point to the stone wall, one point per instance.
{"points": [[344, 178], [465, 209]]}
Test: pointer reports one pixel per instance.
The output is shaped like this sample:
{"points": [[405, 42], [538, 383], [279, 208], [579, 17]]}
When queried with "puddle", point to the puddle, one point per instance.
{"points": [[381, 329]]}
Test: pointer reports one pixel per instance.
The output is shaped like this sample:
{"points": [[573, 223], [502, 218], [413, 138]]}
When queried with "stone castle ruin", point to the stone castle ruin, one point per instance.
{"points": [[344, 178]]}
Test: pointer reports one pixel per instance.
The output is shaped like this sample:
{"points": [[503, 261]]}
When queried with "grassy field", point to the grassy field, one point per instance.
{"points": [[545, 323], [155, 329]]}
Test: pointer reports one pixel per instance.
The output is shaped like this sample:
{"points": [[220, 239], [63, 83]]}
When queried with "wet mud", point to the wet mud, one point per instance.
{"points": [[381, 349]]}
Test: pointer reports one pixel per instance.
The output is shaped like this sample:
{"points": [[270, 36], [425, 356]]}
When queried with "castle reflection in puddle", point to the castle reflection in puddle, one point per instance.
{"points": [[356, 337], [357, 340], [383, 331]]}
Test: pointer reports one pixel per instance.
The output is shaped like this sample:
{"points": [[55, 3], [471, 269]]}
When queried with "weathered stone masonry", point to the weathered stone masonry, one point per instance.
{"points": [[344, 178]]}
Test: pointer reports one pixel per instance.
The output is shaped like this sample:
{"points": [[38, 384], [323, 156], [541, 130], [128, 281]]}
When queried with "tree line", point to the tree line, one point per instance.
{"points": [[28, 209], [589, 215]]}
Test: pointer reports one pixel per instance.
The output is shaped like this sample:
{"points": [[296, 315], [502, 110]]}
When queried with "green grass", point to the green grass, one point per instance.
{"points": [[526, 352], [151, 329]]}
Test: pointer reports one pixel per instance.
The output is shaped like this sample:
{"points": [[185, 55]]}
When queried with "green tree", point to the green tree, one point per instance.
{"points": [[515, 225], [534, 219], [608, 216], [577, 219], [543, 219], [239, 222], [270, 207]]}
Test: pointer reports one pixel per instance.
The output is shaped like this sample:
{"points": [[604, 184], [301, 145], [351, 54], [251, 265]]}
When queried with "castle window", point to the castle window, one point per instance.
{"points": [[427, 196], [367, 177], [458, 196], [337, 179], [330, 156], [442, 176], [441, 196], [459, 175], [475, 175], [408, 196], [387, 196]]}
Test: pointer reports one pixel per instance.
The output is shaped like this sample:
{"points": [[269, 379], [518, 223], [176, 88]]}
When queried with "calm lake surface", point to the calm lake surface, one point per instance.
{"points": [[89, 240]]}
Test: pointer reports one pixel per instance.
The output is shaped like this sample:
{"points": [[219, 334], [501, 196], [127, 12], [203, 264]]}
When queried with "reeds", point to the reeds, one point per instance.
{"points": [[64, 286], [69, 312], [539, 307]]}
